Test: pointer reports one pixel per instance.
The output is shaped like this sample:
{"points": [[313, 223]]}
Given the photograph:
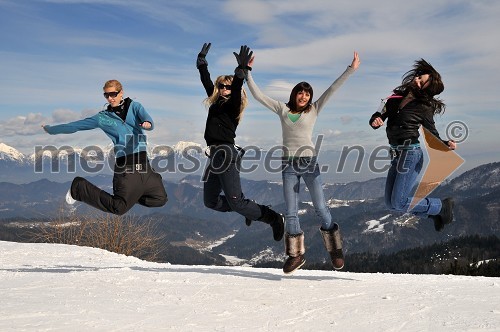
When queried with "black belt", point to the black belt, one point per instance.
{"points": [[211, 148], [132, 168], [395, 150]]}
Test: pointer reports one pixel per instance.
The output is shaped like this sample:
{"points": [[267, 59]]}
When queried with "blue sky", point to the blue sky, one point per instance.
{"points": [[56, 55]]}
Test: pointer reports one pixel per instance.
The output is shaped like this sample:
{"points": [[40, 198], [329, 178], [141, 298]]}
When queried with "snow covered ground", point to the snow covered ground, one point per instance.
{"points": [[50, 287]]}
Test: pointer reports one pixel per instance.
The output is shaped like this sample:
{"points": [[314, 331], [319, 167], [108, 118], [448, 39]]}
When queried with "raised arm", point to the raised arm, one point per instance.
{"points": [[268, 102], [320, 103], [202, 65]]}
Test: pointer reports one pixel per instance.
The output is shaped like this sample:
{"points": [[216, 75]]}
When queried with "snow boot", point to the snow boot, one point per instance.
{"points": [[248, 222], [275, 220], [446, 212], [445, 216], [438, 222], [333, 244], [295, 249]]}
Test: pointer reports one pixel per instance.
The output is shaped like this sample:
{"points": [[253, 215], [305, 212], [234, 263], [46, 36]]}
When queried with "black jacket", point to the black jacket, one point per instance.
{"points": [[222, 119], [403, 124]]}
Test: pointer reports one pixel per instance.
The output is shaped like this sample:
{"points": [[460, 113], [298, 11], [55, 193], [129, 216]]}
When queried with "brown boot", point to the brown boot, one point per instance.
{"points": [[295, 249], [333, 244]]}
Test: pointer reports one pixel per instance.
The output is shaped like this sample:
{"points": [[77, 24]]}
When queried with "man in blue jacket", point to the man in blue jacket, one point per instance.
{"points": [[134, 180]]}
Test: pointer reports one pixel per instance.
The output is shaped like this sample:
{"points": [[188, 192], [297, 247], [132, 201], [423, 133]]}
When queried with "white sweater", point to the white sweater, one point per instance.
{"points": [[297, 136]]}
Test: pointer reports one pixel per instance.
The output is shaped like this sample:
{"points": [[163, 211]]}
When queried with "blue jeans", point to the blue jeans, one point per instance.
{"points": [[401, 179], [308, 169]]}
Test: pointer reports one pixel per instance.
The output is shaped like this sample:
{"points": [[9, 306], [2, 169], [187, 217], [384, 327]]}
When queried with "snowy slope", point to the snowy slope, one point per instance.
{"points": [[9, 153], [62, 288]]}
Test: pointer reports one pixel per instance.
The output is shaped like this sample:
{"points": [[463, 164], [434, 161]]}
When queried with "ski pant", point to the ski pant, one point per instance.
{"points": [[223, 174], [132, 184]]}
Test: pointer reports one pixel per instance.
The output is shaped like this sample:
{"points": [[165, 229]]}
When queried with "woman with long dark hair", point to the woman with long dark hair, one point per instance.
{"points": [[298, 117], [413, 104]]}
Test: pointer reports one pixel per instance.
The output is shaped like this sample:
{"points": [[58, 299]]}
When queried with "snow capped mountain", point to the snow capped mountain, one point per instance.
{"points": [[11, 154], [189, 147], [180, 148], [63, 163], [485, 177], [90, 153], [379, 225]]}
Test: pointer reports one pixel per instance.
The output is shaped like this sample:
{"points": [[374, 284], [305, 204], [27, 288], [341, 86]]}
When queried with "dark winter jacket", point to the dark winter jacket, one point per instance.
{"points": [[403, 124], [222, 119]]}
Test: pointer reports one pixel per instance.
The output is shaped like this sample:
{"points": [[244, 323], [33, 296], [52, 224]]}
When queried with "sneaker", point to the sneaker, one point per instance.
{"points": [[69, 199], [293, 263]]}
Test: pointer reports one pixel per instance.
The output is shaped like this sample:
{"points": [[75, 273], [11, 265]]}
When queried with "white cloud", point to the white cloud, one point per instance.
{"points": [[59, 61]]}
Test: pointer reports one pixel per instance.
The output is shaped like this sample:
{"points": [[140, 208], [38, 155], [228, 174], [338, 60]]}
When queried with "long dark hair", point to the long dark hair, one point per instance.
{"points": [[292, 103], [427, 95]]}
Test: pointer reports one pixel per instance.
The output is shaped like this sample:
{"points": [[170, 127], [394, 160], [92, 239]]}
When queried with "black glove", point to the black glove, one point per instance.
{"points": [[200, 61], [243, 58]]}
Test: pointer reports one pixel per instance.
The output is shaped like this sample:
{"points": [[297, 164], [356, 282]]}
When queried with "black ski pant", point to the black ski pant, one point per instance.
{"points": [[132, 184], [223, 175]]}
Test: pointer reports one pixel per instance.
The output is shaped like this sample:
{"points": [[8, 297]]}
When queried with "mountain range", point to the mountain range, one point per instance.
{"points": [[63, 163], [358, 207]]}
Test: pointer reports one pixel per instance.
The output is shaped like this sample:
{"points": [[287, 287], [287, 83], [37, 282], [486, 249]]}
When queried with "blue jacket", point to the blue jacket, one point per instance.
{"points": [[127, 136]]}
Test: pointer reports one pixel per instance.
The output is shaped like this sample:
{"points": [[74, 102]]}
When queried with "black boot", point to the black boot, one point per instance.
{"points": [[445, 216], [274, 219], [295, 249], [446, 212], [248, 222], [438, 222], [333, 244]]}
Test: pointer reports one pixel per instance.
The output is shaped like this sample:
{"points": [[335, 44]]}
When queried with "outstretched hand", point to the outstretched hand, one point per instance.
{"points": [[243, 58], [355, 61], [43, 126], [201, 59]]}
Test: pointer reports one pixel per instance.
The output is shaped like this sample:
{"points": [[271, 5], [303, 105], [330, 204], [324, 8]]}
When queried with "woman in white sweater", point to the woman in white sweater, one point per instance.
{"points": [[298, 117]]}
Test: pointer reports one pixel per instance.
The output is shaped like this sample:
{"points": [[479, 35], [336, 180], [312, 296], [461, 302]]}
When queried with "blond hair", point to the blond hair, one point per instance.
{"points": [[215, 95], [113, 84]]}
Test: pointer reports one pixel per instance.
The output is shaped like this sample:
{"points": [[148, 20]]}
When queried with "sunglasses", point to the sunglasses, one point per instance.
{"points": [[224, 86], [112, 94]]}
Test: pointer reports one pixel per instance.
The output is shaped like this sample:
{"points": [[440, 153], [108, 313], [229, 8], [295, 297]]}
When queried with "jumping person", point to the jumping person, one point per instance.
{"points": [[413, 104], [298, 117], [134, 181], [226, 101]]}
